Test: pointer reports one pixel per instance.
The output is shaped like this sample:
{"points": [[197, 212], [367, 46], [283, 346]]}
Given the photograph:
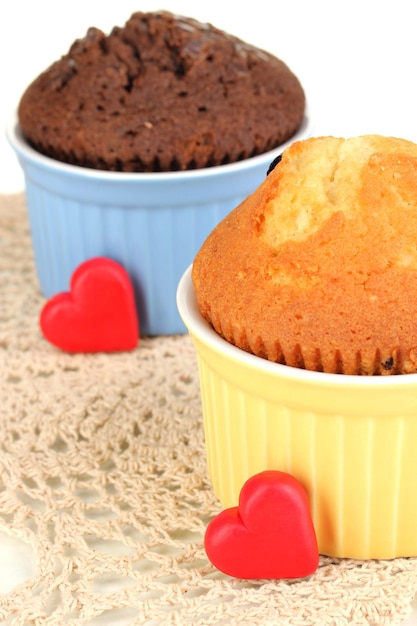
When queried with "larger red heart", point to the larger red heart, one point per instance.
{"points": [[98, 314], [270, 534]]}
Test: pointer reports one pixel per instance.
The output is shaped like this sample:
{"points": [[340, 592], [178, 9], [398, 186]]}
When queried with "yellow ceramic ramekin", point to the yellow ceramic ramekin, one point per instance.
{"points": [[350, 440]]}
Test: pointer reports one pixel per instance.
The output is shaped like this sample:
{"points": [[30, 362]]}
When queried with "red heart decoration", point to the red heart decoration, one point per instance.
{"points": [[98, 314], [270, 534]]}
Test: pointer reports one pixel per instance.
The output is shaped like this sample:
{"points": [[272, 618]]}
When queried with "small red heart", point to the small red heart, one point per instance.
{"points": [[270, 534], [98, 314]]}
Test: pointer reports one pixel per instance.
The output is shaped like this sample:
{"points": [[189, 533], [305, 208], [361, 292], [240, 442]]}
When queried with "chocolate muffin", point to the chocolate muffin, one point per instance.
{"points": [[162, 93], [317, 269]]}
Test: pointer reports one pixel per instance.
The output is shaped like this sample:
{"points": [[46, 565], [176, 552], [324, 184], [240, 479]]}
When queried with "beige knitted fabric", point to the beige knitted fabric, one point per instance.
{"points": [[103, 476]]}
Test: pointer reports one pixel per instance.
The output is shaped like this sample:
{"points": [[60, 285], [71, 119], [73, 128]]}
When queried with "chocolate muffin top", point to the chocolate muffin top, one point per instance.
{"points": [[162, 93]]}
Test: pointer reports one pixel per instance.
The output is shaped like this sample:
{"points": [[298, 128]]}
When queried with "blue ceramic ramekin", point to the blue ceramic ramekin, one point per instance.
{"points": [[152, 224]]}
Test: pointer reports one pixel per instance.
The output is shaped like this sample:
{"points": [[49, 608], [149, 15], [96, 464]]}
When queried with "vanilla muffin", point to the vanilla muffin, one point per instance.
{"points": [[317, 269], [162, 93]]}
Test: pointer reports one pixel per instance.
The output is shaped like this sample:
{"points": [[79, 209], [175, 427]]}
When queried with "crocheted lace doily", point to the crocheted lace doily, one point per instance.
{"points": [[104, 495]]}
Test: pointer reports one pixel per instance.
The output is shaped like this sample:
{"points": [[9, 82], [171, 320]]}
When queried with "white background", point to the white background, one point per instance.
{"points": [[357, 61]]}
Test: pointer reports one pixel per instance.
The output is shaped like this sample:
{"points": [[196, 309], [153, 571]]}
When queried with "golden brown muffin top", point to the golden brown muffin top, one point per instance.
{"points": [[318, 267]]}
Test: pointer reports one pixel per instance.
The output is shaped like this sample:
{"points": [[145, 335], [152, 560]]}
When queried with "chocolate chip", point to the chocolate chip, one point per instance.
{"points": [[387, 365], [274, 163]]}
